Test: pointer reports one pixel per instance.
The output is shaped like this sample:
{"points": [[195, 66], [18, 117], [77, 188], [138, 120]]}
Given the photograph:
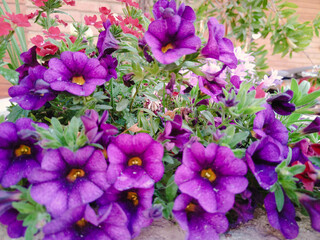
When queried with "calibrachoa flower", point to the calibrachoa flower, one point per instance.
{"points": [[312, 206], [106, 44], [280, 103], [313, 127], [198, 223], [5, 27], [284, 220], [92, 21], [266, 124], [30, 60], [69, 179], [75, 73], [83, 223], [70, 2], [244, 208], [135, 202], [19, 19], [212, 175], [263, 157], [174, 132], [110, 64], [133, 158], [176, 38], [39, 3], [308, 177], [32, 92], [300, 152], [19, 154], [54, 33], [15, 228], [218, 47]]}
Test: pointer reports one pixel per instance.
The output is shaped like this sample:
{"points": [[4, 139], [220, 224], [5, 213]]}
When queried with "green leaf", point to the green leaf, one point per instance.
{"points": [[168, 159], [208, 115], [56, 125], [171, 189], [122, 105], [17, 112], [11, 75], [279, 197], [308, 98], [238, 137], [23, 207], [296, 169]]}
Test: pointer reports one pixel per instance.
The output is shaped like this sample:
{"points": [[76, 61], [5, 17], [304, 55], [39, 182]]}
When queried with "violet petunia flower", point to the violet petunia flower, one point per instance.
{"points": [[174, 132], [128, 79], [110, 64], [143, 45], [218, 47], [75, 73], [107, 43], [134, 159], [30, 60], [312, 206], [300, 151], [313, 127], [69, 179], [266, 124], [263, 157], [280, 103], [82, 223], [32, 92], [171, 37], [284, 220], [98, 130], [19, 154], [136, 202], [196, 222], [244, 208], [212, 175]]}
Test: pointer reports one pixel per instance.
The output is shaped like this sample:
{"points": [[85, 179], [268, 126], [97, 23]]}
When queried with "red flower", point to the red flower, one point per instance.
{"points": [[308, 177], [19, 19], [104, 10], [70, 2], [54, 33], [92, 21], [39, 3], [5, 27], [32, 15], [47, 49]]}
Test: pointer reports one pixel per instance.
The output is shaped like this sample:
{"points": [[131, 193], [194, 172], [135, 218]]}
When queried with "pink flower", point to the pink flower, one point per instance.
{"points": [[308, 177], [92, 21], [38, 41], [19, 19], [70, 2], [104, 10], [61, 21], [32, 15], [47, 49], [54, 33], [39, 3], [5, 27]]}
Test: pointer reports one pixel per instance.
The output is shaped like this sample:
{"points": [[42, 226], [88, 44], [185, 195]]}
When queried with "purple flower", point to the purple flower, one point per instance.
{"points": [[299, 151], [75, 73], [280, 103], [177, 135], [30, 60], [218, 47], [266, 124], [198, 223], [18, 153], [127, 79], [163, 8], [83, 223], [15, 228], [98, 131], [170, 85], [110, 64], [312, 206], [135, 202], [171, 37], [143, 45], [263, 157], [134, 159], [106, 44], [284, 220], [313, 127], [244, 208], [211, 175], [67, 179], [32, 92]]}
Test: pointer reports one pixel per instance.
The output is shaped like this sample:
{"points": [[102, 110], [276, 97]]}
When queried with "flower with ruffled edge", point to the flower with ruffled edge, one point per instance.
{"points": [[280, 103], [18, 153], [312, 206], [82, 223], [212, 175], [218, 47], [69, 179], [30, 60], [174, 132], [266, 124], [135, 202], [75, 73], [171, 37], [263, 157], [32, 92], [283, 220], [198, 223]]}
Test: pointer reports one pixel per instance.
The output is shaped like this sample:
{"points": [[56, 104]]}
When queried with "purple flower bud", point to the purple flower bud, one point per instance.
{"points": [[280, 103], [127, 79], [313, 127]]}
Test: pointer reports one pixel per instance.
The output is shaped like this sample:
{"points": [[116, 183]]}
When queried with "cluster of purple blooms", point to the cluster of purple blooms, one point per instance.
{"points": [[108, 193]]}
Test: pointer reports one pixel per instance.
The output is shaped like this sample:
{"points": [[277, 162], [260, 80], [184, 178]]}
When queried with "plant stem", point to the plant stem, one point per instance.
{"points": [[135, 94]]}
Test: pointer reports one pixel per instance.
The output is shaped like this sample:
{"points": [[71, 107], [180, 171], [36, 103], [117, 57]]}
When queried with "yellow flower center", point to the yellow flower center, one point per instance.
{"points": [[81, 223], [74, 174], [78, 80], [22, 150], [105, 154], [133, 197], [164, 49], [135, 161], [208, 174], [191, 207]]}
